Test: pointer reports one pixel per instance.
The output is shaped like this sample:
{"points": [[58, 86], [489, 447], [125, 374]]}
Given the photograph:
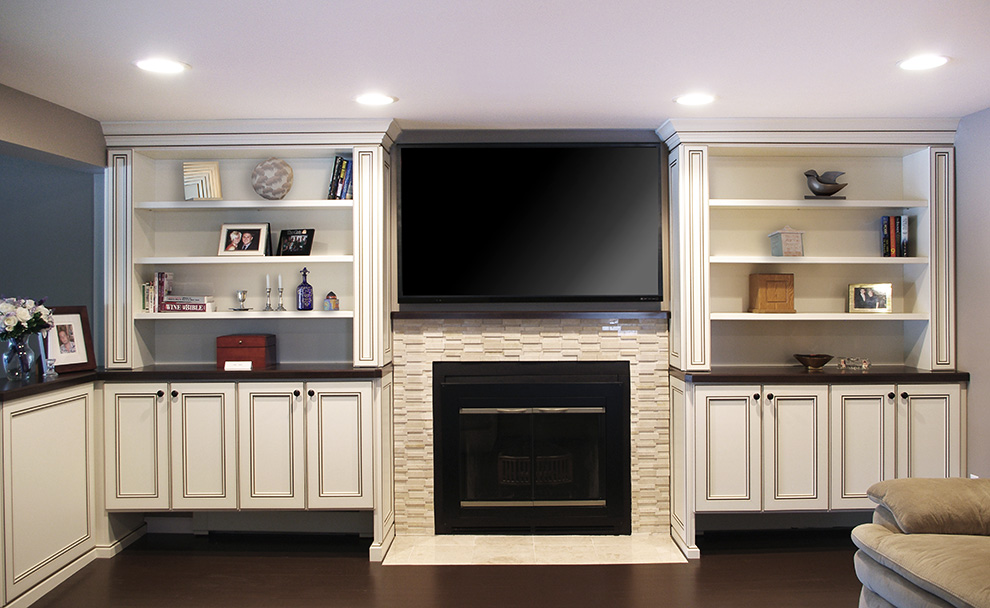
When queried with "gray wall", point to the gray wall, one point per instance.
{"points": [[48, 218], [972, 281]]}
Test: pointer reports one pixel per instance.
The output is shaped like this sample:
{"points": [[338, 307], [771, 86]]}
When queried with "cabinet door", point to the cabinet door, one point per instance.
{"points": [[339, 445], [728, 448], [862, 437], [929, 432], [272, 445], [204, 457], [135, 418], [795, 447], [47, 485]]}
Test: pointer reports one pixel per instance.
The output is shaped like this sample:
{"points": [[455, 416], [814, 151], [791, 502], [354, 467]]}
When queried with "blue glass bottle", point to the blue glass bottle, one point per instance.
{"points": [[304, 293]]}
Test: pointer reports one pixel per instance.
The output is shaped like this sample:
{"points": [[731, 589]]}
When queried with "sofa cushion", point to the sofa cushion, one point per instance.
{"points": [[936, 506], [951, 567], [883, 588]]}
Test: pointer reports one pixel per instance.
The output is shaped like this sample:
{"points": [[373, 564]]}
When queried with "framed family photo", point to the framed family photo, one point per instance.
{"points": [[69, 341], [871, 297], [296, 241], [244, 239]]}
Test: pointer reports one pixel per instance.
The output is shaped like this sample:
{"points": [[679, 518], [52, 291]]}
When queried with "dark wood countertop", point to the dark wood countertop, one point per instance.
{"points": [[203, 372], [797, 374]]}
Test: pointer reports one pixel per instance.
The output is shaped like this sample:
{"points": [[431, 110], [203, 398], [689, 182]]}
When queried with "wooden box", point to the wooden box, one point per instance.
{"points": [[771, 293], [259, 349]]}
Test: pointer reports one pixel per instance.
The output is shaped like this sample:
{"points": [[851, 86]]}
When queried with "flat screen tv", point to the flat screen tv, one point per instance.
{"points": [[529, 223]]}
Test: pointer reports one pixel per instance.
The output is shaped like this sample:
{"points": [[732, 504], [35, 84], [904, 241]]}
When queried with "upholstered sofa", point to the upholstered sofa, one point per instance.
{"points": [[928, 545]]}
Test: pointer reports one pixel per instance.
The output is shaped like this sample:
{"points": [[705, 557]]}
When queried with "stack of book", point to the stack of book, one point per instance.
{"points": [[157, 297], [894, 236], [341, 181]]}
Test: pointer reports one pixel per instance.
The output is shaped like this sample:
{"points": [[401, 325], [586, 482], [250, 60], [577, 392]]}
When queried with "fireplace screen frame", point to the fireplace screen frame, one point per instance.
{"points": [[541, 391]]}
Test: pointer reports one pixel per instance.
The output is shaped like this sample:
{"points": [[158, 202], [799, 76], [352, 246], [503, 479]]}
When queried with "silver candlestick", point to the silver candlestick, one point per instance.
{"points": [[280, 307], [268, 300]]}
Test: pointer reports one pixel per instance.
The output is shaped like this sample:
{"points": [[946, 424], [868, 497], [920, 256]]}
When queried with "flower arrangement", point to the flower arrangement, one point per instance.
{"points": [[19, 317]]}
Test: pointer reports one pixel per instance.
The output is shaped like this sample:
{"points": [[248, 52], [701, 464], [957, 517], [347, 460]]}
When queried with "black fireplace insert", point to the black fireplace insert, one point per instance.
{"points": [[532, 447]]}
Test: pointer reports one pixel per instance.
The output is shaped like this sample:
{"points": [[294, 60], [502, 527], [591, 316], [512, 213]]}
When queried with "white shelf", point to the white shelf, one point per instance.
{"points": [[746, 203], [235, 205], [770, 259], [818, 316], [259, 259], [251, 314]]}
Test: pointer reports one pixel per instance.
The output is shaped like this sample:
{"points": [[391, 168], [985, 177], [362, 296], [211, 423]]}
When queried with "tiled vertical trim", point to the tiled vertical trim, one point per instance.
{"points": [[420, 342]]}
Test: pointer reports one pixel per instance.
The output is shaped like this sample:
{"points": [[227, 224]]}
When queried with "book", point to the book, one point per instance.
{"points": [[904, 236], [187, 299], [885, 236], [188, 307], [345, 190], [334, 176]]}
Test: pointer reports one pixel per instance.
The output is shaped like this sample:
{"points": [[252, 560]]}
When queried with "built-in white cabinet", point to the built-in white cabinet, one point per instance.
{"points": [[272, 445], [733, 183], [862, 436], [930, 434], [245, 445], [761, 447], [136, 445], [151, 228], [203, 423], [339, 443], [754, 447], [48, 507]]}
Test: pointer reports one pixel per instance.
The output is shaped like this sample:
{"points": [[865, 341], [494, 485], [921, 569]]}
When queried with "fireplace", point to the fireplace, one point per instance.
{"points": [[532, 447]]}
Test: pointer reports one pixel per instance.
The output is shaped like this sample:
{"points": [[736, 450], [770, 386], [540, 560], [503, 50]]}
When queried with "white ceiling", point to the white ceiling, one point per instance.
{"points": [[526, 64]]}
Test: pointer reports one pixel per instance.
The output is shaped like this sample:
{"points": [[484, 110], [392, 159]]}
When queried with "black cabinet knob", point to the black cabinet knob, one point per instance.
{"points": [[904, 395], [770, 397], [295, 393], [312, 393], [160, 393], [891, 395], [175, 394]]}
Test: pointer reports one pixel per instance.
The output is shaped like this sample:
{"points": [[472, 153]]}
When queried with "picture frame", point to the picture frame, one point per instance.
{"points": [[871, 297], [296, 241], [69, 340], [244, 239]]}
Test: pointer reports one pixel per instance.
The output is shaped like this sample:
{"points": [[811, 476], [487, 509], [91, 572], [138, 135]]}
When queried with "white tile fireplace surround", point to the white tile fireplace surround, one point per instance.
{"points": [[420, 340]]}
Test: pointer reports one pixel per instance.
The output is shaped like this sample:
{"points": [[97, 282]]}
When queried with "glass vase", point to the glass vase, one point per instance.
{"points": [[18, 361]]}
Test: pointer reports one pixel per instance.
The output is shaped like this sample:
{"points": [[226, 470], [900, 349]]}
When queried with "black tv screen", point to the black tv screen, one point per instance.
{"points": [[568, 223]]}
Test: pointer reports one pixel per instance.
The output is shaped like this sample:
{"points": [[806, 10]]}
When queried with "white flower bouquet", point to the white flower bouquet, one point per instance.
{"points": [[19, 317]]}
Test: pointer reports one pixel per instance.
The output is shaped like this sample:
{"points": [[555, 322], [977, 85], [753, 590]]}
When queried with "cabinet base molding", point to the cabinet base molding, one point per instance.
{"points": [[35, 593]]}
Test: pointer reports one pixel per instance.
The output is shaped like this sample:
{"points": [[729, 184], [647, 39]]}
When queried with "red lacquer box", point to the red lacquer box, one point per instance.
{"points": [[259, 349]]}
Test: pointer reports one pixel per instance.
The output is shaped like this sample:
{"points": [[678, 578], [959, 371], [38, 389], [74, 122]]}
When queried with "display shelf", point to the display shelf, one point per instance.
{"points": [[746, 203], [225, 205], [241, 260], [818, 316], [250, 314], [755, 259]]}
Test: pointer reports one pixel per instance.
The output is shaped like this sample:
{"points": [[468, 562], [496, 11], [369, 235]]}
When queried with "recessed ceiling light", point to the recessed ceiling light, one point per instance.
{"points": [[923, 62], [695, 99], [159, 65], [375, 99]]}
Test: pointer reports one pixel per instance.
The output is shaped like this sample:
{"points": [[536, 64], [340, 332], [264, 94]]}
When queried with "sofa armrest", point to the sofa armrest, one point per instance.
{"points": [[936, 506]]}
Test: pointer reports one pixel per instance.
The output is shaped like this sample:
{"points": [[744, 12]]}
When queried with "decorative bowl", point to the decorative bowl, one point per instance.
{"points": [[813, 362]]}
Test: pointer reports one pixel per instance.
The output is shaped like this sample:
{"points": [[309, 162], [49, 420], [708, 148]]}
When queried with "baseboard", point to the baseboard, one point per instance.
{"points": [[689, 552], [108, 551], [35, 593], [377, 551]]}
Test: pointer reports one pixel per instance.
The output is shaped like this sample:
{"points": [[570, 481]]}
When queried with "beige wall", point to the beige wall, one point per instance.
{"points": [[29, 123], [972, 285]]}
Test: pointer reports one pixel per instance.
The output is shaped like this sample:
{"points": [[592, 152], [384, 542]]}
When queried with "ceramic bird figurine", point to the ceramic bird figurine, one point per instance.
{"points": [[824, 184]]}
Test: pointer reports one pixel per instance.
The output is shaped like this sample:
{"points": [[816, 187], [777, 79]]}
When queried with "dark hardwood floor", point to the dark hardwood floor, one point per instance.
{"points": [[290, 572]]}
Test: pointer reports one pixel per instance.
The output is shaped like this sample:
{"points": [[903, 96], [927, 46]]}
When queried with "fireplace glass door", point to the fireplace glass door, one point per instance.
{"points": [[532, 453]]}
